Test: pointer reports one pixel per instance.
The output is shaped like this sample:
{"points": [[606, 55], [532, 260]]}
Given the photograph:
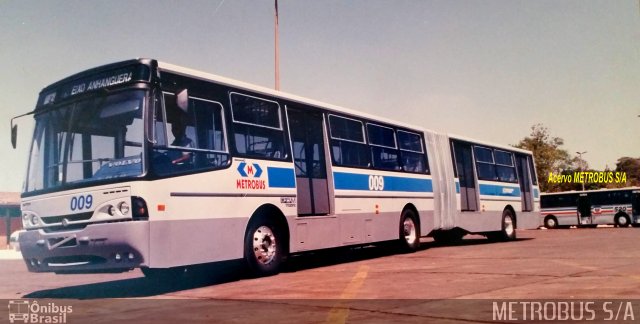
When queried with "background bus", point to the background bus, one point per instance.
{"points": [[147, 164], [619, 207]]}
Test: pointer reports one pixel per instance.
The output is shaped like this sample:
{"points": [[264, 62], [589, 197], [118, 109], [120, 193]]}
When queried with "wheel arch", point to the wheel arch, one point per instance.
{"points": [[413, 208], [621, 213], [272, 213]]}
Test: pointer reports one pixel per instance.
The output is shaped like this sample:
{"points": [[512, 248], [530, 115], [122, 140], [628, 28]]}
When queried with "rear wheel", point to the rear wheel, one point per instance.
{"points": [[409, 231], [550, 222], [622, 220], [263, 248], [508, 231]]}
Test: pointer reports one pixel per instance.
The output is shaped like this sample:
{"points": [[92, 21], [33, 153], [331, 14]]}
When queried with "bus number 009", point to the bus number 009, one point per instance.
{"points": [[376, 183], [81, 202]]}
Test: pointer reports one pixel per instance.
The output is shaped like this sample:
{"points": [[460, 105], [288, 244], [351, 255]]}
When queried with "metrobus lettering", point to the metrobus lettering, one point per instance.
{"points": [[251, 184]]}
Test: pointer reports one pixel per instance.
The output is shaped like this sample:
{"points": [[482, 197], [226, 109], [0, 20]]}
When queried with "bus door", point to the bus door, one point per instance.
{"points": [[307, 144], [464, 165], [524, 178], [584, 209], [635, 203]]}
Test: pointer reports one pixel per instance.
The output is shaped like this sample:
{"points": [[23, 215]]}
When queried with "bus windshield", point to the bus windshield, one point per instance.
{"points": [[88, 140]]}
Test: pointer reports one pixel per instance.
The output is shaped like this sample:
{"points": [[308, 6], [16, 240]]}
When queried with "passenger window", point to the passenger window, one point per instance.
{"points": [[348, 146], [483, 154], [495, 165], [189, 140], [384, 153], [411, 152], [257, 127]]}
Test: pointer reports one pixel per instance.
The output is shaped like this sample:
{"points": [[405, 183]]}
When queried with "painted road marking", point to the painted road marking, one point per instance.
{"points": [[340, 312]]}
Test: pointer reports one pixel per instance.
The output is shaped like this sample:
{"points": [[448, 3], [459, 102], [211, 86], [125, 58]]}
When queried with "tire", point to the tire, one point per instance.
{"points": [[263, 248], [409, 231], [508, 231], [551, 222], [622, 221]]}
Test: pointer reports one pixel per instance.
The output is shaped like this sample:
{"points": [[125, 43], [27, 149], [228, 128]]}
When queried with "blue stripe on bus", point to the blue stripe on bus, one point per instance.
{"points": [[457, 187], [355, 181], [281, 177], [497, 190], [536, 193]]}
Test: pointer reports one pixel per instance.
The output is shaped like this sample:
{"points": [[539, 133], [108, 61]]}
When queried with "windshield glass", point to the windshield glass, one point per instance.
{"points": [[89, 140]]}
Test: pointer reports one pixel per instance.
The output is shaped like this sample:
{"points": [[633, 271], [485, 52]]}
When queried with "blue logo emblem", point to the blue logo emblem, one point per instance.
{"points": [[254, 170]]}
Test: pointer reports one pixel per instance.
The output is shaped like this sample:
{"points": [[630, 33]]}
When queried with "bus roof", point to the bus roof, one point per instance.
{"points": [[256, 88], [259, 89], [498, 146], [251, 87]]}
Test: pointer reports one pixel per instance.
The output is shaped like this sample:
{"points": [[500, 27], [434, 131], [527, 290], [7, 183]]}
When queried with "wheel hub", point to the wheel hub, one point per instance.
{"points": [[264, 245], [508, 226], [409, 230]]}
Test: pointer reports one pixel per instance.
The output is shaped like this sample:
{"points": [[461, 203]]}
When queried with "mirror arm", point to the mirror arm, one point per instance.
{"points": [[14, 128]]}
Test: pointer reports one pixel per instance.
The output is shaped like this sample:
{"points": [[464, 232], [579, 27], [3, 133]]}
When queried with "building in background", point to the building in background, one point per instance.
{"points": [[9, 216]]}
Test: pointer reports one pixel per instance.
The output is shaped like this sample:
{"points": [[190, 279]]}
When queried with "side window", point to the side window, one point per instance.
{"points": [[384, 151], [348, 146], [600, 198], [257, 127], [534, 175], [547, 201], [495, 165], [411, 152], [485, 163], [505, 166], [189, 140]]}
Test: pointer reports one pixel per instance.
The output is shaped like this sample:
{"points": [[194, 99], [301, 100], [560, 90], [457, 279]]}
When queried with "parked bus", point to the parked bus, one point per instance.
{"points": [[147, 164], [620, 207]]}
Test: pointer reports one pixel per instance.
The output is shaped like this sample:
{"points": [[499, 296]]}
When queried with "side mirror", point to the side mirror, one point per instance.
{"points": [[182, 100], [14, 135]]}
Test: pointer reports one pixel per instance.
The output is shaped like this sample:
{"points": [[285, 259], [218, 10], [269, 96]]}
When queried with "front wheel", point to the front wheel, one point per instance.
{"points": [[409, 231], [263, 248], [551, 222], [508, 231]]}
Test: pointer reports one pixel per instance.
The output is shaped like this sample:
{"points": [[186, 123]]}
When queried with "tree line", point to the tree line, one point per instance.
{"points": [[551, 158]]}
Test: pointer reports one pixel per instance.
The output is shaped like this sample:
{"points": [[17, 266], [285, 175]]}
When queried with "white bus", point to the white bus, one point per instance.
{"points": [[590, 208], [147, 164]]}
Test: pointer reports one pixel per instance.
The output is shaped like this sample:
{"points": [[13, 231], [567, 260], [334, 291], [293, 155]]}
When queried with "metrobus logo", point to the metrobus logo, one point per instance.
{"points": [[250, 170], [253, 170]]}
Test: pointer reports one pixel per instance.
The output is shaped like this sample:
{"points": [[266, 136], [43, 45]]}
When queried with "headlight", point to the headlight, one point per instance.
{"points": [[124, 208], [34, 220]]}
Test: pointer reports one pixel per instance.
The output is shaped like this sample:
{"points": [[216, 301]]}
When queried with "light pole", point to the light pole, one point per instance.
{"points": [[581, 165], [277, 49]]}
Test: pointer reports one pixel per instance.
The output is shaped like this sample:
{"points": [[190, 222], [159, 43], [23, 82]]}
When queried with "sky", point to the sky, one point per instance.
{"points": [[485, 69]]}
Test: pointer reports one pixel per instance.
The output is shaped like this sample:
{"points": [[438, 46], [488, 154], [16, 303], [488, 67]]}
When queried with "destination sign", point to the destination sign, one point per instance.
{"points": [[93, 82]]}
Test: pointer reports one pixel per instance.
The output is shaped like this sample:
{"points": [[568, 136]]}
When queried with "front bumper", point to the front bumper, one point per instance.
{"points": [[97, 247]]}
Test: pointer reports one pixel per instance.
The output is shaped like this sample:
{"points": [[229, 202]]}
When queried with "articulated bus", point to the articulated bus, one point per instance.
{"points": [[150, 165], [590, 208]]}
